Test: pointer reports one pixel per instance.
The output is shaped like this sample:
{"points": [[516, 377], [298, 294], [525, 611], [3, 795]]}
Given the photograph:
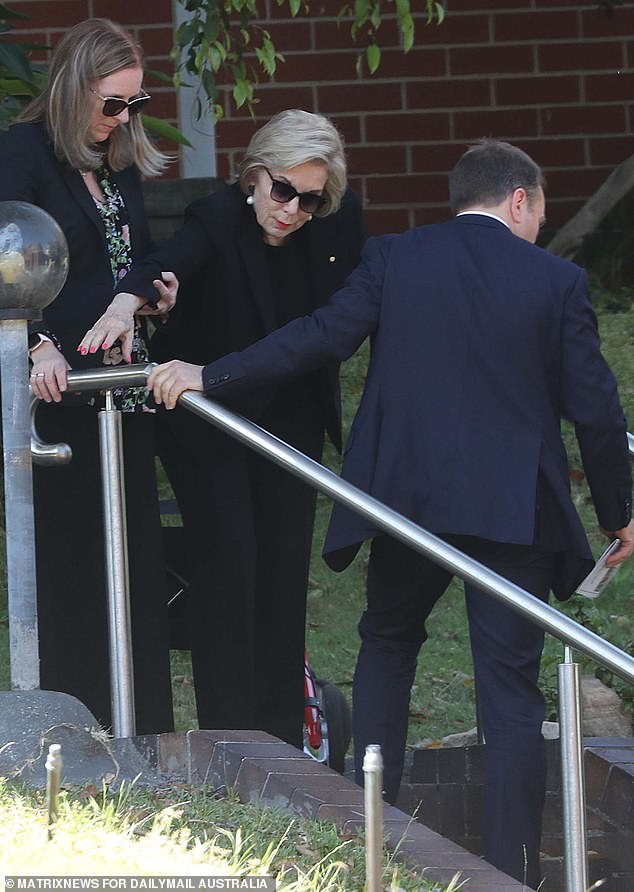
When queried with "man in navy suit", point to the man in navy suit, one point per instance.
{"points": [[481, 343]]}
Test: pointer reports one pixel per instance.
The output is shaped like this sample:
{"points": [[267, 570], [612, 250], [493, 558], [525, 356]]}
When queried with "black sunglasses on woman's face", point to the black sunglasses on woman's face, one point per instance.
{"points": [[113, 106], [283, 192]]}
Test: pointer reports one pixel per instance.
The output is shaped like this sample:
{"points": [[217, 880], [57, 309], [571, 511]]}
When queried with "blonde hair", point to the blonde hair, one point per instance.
{"points": [[90, 51], [295, 137]]}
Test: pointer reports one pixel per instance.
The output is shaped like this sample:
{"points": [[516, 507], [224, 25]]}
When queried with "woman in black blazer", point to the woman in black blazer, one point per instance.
{"points": [[77, 153], [250, 258]]}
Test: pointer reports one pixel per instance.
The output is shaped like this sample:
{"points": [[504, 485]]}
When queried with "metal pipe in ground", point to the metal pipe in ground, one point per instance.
{"points": [[53, 778], [373, 799], [117, 573], [572, 776]]}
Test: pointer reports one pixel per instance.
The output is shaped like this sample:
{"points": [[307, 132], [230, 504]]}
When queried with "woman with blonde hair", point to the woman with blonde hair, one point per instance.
{"points": [[77, 152], [269, 248]]}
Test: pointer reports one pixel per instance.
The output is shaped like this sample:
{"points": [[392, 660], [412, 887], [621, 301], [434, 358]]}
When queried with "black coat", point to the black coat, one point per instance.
{"points": [[225, 301], [29, 171]]}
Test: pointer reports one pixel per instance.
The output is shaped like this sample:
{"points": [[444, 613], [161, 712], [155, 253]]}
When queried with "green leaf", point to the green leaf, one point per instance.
{"points": [[440, 13], [402, 9], [14, 58], [373, 56], [161, 128], [208, 82], [375, 16], [6, 13], [294, 6], [407, 27], [186, 32], [160, 76], [361, 12]]}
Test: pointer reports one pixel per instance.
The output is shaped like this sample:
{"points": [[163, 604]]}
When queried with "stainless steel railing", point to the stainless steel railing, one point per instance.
{"points": [[571, 633]]}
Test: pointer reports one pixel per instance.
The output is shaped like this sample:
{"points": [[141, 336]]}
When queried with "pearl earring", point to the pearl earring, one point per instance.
{"points": [[249, 199], [310, 216]]}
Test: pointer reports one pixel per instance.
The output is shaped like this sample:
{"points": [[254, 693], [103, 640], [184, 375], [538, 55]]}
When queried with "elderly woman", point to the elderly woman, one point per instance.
{"points": [[77, 153], [251, 257]]}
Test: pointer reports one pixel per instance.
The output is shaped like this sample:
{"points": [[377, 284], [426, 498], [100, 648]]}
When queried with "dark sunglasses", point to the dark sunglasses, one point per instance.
{"points": [[283, 192], [112, 106]]}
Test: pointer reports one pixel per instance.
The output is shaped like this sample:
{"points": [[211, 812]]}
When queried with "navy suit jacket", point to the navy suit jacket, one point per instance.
{"points": [[481, 343]]}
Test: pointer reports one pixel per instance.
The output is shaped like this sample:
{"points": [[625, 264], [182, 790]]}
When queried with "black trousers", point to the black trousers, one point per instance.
{"points": [[71, 586], [403, 588], [248, 529]]}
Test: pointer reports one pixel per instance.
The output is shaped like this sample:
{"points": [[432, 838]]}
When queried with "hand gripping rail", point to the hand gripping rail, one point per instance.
{"points": [[571, 633]]}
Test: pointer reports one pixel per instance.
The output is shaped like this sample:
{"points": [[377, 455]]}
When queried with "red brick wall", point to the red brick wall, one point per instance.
{"points": [[553, 76]]}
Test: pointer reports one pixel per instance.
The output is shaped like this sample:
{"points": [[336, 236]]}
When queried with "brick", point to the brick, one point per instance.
{"points": [[423, 804], [140, 12], [536, 90], [156, 41], [425, 766], [366, 95], [163, 104], [426, 215], [333, 35], [56, 15], [414, 127], [567, 181], [273, 99], [349, 126], [420, 62], [336, 813], [459, 6], [254, 773], [475, 764], [473, 810], [433, 158], [589, 119], [556, 152], [452, 761], [536, 25], [490, 59], [406, 189], [295, 35], [235, 134], [376, 159], [448, 93], [596, 770], [452, 810], [380, 221], [621, 22], [201, 745], [308, 67], [618, 797], [504, 124], [613, 87], [456, 29], [579, 56]]}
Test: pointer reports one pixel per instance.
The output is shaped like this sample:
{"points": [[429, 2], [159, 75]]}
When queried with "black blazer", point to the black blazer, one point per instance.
{"points": [[225, 301], [29, 171], [482, 342]]}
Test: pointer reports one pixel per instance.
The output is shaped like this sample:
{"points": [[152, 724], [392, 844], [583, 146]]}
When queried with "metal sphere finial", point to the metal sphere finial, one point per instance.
{"points": [[33, 260]]}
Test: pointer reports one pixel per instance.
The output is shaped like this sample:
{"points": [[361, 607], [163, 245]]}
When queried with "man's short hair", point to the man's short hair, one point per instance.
{"points": [[488, 172]]}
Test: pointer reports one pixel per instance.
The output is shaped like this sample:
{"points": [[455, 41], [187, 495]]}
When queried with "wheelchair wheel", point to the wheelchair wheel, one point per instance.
{"points": [[336, 723]]}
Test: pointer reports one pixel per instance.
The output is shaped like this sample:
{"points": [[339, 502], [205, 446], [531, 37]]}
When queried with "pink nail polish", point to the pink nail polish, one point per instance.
{"points": [[82, 350]]}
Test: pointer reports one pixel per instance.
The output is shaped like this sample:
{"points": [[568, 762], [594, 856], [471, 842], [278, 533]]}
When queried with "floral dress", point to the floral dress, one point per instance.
{"points": [[114, 215]]}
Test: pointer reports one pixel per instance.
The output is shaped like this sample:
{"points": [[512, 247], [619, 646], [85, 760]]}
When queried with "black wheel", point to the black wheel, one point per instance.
{"points": [[336, 722]]}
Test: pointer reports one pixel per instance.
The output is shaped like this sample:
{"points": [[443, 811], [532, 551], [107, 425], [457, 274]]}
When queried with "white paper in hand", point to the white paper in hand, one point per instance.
{"points": [[600, 575]]}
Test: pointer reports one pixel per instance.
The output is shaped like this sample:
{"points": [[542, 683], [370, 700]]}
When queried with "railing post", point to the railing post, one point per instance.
{"points": [[117, 574], [572, 776], [18, 506], [373, 801]]}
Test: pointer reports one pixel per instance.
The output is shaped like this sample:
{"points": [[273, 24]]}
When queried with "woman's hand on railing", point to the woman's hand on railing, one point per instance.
{"points": [[48, 374], [626, 548], [167, 288], [116, 323], [169, 380]]}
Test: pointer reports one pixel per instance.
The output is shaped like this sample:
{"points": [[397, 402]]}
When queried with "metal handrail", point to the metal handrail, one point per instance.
{"points": [[551, 620], [329, 483]]}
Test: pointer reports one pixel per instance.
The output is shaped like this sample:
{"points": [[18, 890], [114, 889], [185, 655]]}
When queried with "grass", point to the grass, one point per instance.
{"points": [[181, 832]]}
